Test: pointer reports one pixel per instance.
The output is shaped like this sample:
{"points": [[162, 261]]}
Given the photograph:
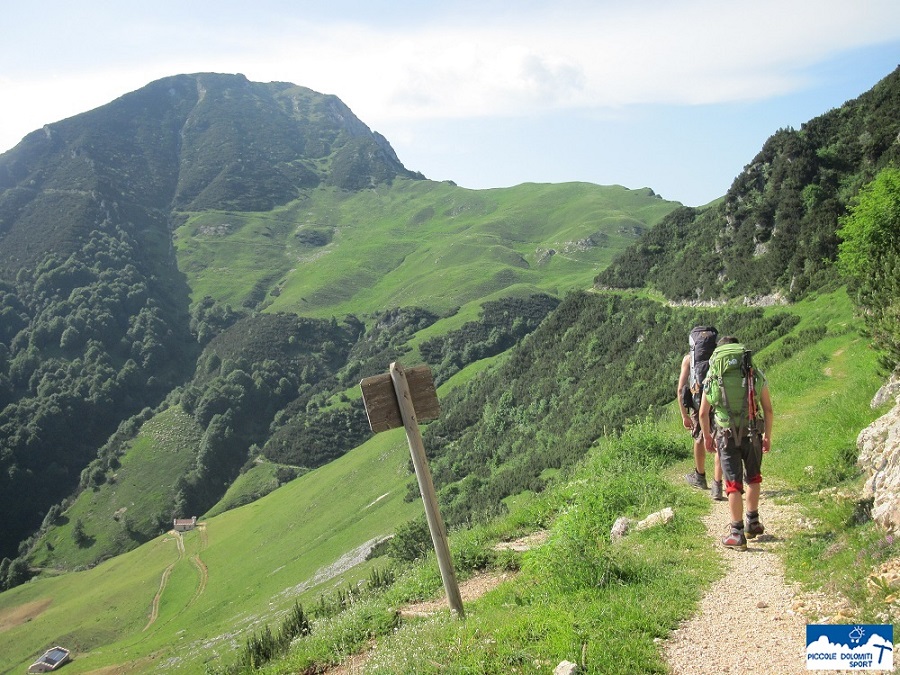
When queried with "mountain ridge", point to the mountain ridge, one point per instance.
{"points": [[118, 267], [776, 227]]}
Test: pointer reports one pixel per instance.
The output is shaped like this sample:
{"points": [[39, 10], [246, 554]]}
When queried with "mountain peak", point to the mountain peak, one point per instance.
{"points": [[208, 140]]}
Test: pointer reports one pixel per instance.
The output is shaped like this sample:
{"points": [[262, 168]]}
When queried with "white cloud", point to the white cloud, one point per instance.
{"points": [[703, 51], [584, 55]]}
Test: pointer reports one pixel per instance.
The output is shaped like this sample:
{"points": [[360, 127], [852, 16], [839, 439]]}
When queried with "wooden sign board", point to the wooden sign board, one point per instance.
{"points": [[380, 398]]}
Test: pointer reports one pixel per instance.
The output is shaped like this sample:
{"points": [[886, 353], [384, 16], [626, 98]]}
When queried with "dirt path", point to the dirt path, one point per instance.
{"points": [[200, 565], [154, 606], [469, 590], [751, 620]]}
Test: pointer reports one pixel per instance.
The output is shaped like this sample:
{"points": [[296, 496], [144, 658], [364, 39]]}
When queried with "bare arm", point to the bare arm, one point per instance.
{"points": [[703, 414], [682, 382]]}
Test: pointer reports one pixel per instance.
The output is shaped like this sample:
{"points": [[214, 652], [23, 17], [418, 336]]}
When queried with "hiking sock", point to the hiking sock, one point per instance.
{"points": [[754, 527], [737, 527]]}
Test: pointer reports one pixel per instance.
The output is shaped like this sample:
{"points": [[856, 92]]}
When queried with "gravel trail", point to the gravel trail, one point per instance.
{"points": [[751, 620]]}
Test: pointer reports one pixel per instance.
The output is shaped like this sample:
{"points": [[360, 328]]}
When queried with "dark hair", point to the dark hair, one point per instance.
{"points": [[728, 340]]}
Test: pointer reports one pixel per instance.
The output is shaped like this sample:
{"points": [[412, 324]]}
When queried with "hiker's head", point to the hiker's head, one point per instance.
{"points": [[728, 340]]}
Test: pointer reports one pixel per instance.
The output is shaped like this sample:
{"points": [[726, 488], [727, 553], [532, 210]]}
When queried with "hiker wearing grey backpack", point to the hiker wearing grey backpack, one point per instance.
{"points": [[695, 364], [738, 395]]}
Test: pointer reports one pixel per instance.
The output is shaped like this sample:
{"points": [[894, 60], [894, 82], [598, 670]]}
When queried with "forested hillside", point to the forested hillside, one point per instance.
{"points": [[94, 314], [155, 257], [776, 229], [597, 361]]}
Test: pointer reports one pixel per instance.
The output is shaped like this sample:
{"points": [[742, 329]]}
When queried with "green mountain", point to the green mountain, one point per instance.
{"points": [[157, 253], [776, 228], [554, 416], [95, 312]]}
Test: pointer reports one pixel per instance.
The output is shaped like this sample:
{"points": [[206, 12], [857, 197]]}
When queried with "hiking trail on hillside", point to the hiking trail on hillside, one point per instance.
{"points": [[752, 620], [749, 621]]}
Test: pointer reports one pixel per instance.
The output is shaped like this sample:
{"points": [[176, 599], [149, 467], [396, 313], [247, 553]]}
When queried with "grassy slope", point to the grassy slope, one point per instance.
{"points": [[235, 255], [255, 557], [580, 598], [421, 239], [258, 481], [418, 243], [164, 449]]}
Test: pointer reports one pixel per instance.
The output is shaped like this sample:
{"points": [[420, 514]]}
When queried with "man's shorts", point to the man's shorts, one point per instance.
{"points": [[696, 431], [741, 461]]}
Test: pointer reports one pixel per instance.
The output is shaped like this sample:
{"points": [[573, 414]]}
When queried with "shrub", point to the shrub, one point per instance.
{"points": [[869, 256], [412, 541]]}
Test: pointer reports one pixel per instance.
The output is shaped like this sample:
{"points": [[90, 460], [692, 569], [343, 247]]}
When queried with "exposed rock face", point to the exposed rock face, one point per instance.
{"points": [[889, 392], [879, 457]]}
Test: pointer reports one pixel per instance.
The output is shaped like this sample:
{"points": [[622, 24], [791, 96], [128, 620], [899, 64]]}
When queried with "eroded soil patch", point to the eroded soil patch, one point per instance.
{"points": [[16, 616]]}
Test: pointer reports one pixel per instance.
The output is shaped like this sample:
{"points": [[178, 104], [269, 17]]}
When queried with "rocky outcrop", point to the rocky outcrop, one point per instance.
{"points": [[624, 525], [879, 457], [889, 392]]}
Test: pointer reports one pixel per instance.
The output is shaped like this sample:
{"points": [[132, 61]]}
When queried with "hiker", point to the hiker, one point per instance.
{"points": [[738, 395], [694, 365]]}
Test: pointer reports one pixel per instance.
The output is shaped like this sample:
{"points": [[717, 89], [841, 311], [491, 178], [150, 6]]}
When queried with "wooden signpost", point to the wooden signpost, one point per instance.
{"points": [[402, 398]]}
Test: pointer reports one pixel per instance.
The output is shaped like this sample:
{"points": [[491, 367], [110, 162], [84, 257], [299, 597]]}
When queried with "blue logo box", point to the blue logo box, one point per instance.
{"points": [[849, 647]]}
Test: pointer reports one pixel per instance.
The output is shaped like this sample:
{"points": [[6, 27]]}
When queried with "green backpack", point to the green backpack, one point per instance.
{"points": [[731, 388]]}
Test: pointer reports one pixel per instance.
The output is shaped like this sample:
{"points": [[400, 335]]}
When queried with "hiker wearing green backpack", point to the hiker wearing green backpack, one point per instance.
{"points": [[738, 395]]}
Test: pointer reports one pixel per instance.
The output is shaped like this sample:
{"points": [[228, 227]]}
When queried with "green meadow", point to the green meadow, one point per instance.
{"points": [[235, 571], [164, 449], [421, 243]]}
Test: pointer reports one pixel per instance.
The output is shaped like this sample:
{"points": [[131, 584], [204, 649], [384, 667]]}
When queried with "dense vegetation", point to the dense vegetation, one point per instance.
{"points": [[776, 228], [502, 324], [595, 362], [267, 398], [870, 258], [88, 340]]}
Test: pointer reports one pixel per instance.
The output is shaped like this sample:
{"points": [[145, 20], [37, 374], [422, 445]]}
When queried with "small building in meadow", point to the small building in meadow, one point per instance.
{"points": [[185, 524], [51, 659]]}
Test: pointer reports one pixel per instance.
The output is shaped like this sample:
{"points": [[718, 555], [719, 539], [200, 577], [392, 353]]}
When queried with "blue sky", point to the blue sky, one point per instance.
{"points": [[673, 95]]}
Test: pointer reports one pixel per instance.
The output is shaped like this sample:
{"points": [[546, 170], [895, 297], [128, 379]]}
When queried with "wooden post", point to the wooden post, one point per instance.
{"points": [[426, 487]]}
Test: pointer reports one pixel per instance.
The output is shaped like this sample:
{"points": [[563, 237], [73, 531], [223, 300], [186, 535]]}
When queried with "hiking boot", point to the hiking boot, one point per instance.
{"points": [[754, 528], [716, 491], [735, 540], [697, 480]]}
